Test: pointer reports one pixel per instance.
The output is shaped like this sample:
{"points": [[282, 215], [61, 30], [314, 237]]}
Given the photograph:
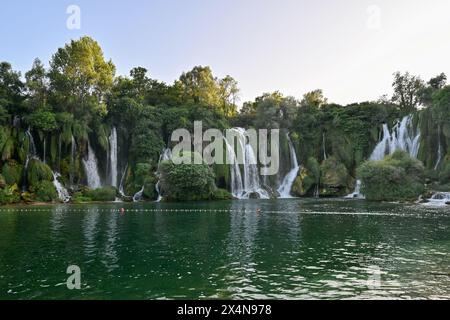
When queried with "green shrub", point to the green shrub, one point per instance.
{"points": [[37, 172], [102, 194], [9, 195], [79, 197], [187, 182], [45, 191], [221, 194], [444, 174], [396, 177], [2, 182], [12, 172]]}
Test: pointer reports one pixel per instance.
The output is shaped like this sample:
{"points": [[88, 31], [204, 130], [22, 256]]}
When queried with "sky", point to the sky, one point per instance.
{"points": [[347, 48]]}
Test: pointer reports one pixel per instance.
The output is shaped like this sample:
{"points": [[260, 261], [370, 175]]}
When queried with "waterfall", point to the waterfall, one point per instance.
{"points": [[113, 157], [439, 199], [31, 154], [324, 147], [72, 160], [165, 156], [357, 193], [236, 178], [439, 154], [63, 194], [402, 137], [251, 181], [121, 189], [91, 169], [286, 186], [138, 196]]}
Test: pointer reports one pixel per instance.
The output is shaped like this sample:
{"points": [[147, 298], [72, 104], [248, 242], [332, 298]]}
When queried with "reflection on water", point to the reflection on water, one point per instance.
{"points": [[296, 249]]}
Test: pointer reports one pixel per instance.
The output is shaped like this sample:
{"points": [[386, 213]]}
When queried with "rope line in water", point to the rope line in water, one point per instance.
{"points": [[184, 210]]}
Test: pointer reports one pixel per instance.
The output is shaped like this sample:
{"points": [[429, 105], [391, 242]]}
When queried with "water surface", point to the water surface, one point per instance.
{"points": [[292, 249]]}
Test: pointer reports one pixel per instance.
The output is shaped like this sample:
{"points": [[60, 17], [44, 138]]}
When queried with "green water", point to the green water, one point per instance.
{"points": [[293, 249]]}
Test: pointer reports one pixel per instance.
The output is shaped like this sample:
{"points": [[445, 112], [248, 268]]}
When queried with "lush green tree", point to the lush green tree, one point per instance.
{"points": [[407, 91], [200, 87], [11, 92], [80, 78]]}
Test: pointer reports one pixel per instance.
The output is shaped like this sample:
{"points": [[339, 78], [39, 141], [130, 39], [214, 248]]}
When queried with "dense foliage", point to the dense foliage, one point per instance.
{"points": [[397, 177], [77, 100]]}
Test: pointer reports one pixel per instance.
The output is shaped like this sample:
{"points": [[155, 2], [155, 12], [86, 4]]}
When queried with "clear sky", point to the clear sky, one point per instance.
{"points": [[348, 48]]}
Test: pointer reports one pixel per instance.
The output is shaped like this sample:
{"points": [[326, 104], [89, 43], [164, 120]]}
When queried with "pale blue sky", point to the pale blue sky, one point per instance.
{"points": [[349, 48]]}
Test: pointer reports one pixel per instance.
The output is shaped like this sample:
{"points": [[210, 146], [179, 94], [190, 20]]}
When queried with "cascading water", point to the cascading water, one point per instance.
{"points": [[91, 168], [113, 157], [357, 193], [121, 188], [439, 199], [403, 137], [286, 186], [237, 187], [31, 154], [324, 145], [63, 194], [251, 179], [73, 152], [139, 195], [439, 152], [165, 156]]}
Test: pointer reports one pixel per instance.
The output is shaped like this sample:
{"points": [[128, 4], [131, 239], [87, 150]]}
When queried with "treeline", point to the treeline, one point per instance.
{"points": [[79, 98]]}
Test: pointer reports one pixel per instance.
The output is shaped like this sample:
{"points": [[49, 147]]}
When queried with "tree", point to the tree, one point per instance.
{"points": [[37, 85], [438, 82], [229, 95], [200, 87], [314, 99], [407, 91], [81, 78], [11, 89]]}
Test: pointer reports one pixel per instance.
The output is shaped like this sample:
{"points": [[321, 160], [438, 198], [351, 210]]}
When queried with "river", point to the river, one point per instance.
{"points": [[249, 249]]}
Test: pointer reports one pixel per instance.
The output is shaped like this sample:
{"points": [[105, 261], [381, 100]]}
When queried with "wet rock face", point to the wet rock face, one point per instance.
{"points": [[335, 179], [304, 183]]}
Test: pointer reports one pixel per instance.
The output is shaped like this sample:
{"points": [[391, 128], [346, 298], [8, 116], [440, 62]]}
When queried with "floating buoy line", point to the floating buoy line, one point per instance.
{"points": [[124, 211]]}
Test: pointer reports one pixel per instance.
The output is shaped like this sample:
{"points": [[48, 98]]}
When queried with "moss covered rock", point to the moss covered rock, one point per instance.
{"points": [[12, 172], [2, 182], [335, 179], [304, 183], [9, 195], [45, 191], [222, 194], [102, 194], [395, 178], [38, 172]]}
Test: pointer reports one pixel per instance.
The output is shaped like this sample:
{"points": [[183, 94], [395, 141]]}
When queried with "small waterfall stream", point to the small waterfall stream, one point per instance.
{"points": [[31, 154], [439, 199], [165, 156], [121, 188], [91, 169], [63, 194], [73, 152], [286, 186], [113, 155], [439, 152]]}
